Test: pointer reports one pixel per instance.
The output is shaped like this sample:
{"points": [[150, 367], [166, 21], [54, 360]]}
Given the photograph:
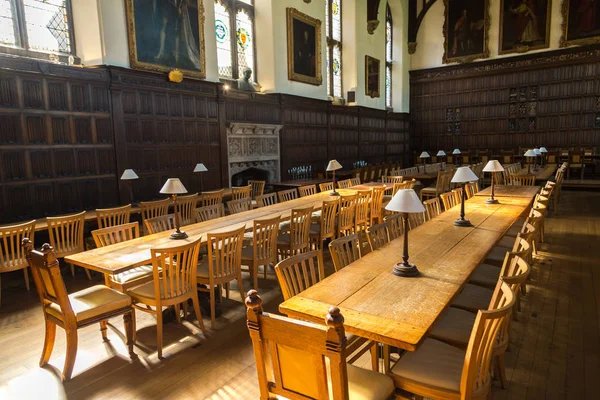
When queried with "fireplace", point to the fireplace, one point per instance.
{"points": [[253, 148]]}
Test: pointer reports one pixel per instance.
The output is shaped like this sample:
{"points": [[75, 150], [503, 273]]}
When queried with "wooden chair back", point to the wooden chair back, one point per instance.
{"points": [[297, 273], [390, 181], [240, 205], [212, 198], [152, 209], [345, 184], [344, 250], [395, 225], [307, 190], [174, 269], [355, 181], [376, 211], [416, 219], [257, 188], [346, 214], [361, 213], [449, 200], [160, 224], [287, 195], [294, 366], [410, 184], [326, 187], [66, 234], [225, 255], [523, 180], [476, 376], [113, 216], [116, 234], [433, 208], [472, 188], [242, 192], [264, 236], [399, 186], [207, 213], [378, 236], [300, 229], [12, 254], [328, 213], [268, 199], [185, 207]]}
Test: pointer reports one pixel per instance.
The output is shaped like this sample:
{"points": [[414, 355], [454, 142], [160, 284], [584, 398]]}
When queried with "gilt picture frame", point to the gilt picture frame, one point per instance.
{"points": [[581, 22], [372, 77], [303, 48], [466, 30], [524, 25], [166, 35]]}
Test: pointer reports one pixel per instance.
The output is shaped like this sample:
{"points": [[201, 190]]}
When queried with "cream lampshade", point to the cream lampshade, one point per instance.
{"points": [[405, 201], [333, 166], [173, 186], [493, 166], [529, 153], [441, 153], [456, 152], [543, 150], [463, 175], [537, 152], [200, 168], [424, 155], [128, 175]]}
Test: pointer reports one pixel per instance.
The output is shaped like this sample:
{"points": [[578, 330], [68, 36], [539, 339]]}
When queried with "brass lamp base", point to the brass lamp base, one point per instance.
{"points": [[462, 222], [178, 235], [492, 201], [405, 269], [334, 193]]}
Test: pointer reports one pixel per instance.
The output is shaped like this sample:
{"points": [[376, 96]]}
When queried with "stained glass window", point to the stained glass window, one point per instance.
{"points": [[333, 24], [234, 24], [388, 57]]}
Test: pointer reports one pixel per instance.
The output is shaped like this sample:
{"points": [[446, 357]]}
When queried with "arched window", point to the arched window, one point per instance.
{"points": [[388, 57], [234, 27], [333, 23], [37, 28]]}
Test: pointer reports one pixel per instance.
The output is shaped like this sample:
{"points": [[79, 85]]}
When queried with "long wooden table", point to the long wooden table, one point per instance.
{"points": [[509, 191], [542, 174], [399, 311]]}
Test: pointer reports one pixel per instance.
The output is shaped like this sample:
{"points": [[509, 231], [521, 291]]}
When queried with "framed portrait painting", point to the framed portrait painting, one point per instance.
{"points": [[581, 22], [303, 48], [166, 35], [466, 27], [524, 25], [371, 76]]}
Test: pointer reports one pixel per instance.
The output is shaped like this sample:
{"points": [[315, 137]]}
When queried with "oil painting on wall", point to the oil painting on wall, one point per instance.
{"points": [[304, 48], [524, 25], [466, 28], [581, 22]]}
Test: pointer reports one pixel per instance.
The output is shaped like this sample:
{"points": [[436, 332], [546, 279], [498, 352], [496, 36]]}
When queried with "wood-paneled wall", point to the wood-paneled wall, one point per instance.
{"points": [[547, 99], [67, 133]]}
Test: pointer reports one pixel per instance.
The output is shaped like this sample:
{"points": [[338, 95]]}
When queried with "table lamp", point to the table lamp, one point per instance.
{"points": [[128, 176], [529, 153], [173, 186], [543, 150], [493, 166], [462, 176], [200, 168], [333, 166], [456, 153], [405, 201], [424, 156], [441, 154], [535, 163]]}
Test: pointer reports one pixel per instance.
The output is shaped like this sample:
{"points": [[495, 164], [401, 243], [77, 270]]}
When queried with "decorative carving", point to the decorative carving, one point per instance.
{"points": [[412, 47], [372, 26]]}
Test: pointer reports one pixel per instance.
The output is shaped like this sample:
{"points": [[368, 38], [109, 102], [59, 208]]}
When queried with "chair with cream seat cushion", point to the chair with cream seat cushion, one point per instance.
{"points": [[12, 256], [66, 236], [93, 305], [311, 363], [487, 275], [438, 370]]}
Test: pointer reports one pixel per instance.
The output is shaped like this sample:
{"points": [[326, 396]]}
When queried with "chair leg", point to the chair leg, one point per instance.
{"points": [[226, 290], [159, 331], [255, 276], [48, 343], [198, 313], [129, 324], [374, 357], [241, 286], [26, 275], [501, 370], [103, 327], [133, 326], [71, 353], [212, 308], [185, 309], [72, 269], [87, 272], [177, 313]]}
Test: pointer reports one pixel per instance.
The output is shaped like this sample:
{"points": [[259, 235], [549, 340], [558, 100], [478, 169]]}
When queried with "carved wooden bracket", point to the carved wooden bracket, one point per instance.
{"points": [[415, 17], [372, 15]]}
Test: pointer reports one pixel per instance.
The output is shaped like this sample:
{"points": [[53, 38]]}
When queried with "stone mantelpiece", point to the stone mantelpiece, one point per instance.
{"points": [[253, 145]]}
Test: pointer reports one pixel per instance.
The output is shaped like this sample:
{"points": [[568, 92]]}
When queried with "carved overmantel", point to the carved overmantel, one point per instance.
{"points": [[253, 145]]}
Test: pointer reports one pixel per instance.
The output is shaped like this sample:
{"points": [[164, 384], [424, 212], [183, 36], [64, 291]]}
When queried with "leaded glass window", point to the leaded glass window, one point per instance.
{"points": [[333, 26], [8, 24], [234, 25], [388, 57]]}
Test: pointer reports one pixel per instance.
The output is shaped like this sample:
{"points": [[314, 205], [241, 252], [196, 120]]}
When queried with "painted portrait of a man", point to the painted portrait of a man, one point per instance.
{"points": [[583, 25], [304, 47], [465, 30], [525, 25]]}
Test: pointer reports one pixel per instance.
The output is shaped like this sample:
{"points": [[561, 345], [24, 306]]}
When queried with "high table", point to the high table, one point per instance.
{"points": [[400, 311]]}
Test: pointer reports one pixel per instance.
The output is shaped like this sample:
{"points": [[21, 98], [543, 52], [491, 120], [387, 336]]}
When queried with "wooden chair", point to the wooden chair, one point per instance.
{"points": [[449, 200], [299, 272], [409, 184], [257, 188], [345, 250], [307, 190], [263, 249], [287, 195], [355, 181], [238, 206], [523, 180], [325, 229], [297, 240], [326, 187], [212, 198], [242, 192], [344, 184], [416, 219], [207, 213], [185, 207], [433, 208], [438, 188], [93, 305], [132, 277], [113, 216], [160, 224], [266, 199], [12, 255], [576, 161], [440, 371], [361, 212], [378, 236], [223, 266], [173, 284], [66, 236], [295, 367], [394, 225], [345, 220], [471, 189], [153, 209], [376, 211], [390, 181]]}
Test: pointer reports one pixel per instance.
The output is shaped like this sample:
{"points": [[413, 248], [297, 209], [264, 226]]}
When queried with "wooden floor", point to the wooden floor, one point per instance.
{"points": [[555, 346]]}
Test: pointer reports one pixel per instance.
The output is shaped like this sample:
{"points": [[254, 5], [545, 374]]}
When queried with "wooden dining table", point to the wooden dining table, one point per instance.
{"points": [[399, 311], [542, 174], [509, 191]]}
